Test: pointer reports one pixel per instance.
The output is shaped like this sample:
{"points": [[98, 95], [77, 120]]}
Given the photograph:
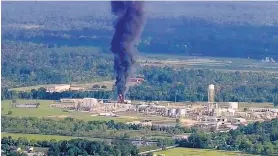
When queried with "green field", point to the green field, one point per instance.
{"points": [[86, 86], [108, 84], [36, 136], [44, 110], [203, 62], [197, 152]]}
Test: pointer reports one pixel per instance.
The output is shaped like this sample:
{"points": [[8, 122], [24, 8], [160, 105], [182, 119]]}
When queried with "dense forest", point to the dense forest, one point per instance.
{"points": [[212, 29], [71, 147], [80, 128], [25, 64], [255, 138], [191, 85], [165, 83]]}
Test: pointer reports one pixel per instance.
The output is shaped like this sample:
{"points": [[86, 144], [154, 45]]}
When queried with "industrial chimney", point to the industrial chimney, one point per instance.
{"points": [[211, 93]]}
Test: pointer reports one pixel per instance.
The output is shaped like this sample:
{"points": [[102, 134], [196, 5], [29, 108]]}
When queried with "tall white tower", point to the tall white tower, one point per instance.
{"points": [[211, 93]]}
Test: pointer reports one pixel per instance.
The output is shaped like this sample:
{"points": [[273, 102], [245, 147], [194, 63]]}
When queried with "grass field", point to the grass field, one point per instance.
{"points": [[36, 136], [44, 110], [108, 84], [86, 86], [198, 152], [201, 62]]}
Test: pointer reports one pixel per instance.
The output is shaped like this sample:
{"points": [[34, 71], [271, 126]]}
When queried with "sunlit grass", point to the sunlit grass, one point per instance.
{"points": [[197, 152], [44, 110]]}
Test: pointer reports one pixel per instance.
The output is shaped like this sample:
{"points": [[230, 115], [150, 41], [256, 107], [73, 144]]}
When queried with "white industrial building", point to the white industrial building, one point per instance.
{"points": [[87, 104], [28, 105], [233, 105]]}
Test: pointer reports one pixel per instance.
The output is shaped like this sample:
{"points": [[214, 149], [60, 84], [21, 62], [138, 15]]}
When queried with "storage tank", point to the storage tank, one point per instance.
{"points": [[233, 105], [89, 102], [173, 111], [211, 93], [182, 112]]}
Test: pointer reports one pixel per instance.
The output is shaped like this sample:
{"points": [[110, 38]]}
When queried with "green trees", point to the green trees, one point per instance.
{"points": [[256, 138], [199, 140], [72, 147], [27, 64], [164, 83], [30, 64], [163, 143], [80, 128], [179, 85], [10, 112]]}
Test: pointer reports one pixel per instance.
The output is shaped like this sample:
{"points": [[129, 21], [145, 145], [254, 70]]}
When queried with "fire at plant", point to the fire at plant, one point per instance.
{"points": [[120, 98]]}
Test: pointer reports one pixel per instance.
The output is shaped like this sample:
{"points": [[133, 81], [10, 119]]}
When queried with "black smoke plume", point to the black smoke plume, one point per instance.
{"points": [[130, 21]]}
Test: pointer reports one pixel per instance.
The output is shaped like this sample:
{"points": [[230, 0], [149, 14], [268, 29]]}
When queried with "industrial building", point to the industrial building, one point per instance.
{"points": [[86, 104], [103, 107], [27, 105]]}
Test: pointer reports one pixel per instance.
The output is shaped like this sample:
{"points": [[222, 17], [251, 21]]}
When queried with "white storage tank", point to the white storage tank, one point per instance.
{"points": [[233, 105], [127, 101], [211, 93], [182, 112], [173, 111], [89, 102]]}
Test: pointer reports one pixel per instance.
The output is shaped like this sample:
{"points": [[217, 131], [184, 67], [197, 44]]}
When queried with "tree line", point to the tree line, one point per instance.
{"points": [[72, 147], [178, 84], [80, 128], [256, 138]]}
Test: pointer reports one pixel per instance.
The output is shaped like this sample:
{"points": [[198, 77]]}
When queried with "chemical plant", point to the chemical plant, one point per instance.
{"points": [[210, 115]]}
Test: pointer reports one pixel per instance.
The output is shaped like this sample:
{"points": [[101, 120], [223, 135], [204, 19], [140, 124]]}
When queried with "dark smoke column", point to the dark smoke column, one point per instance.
{"points": [[127, 33]]}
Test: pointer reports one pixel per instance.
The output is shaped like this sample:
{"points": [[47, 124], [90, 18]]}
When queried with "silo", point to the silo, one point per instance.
{"points": [[89, 103], [166, 112], [211, 93]]}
